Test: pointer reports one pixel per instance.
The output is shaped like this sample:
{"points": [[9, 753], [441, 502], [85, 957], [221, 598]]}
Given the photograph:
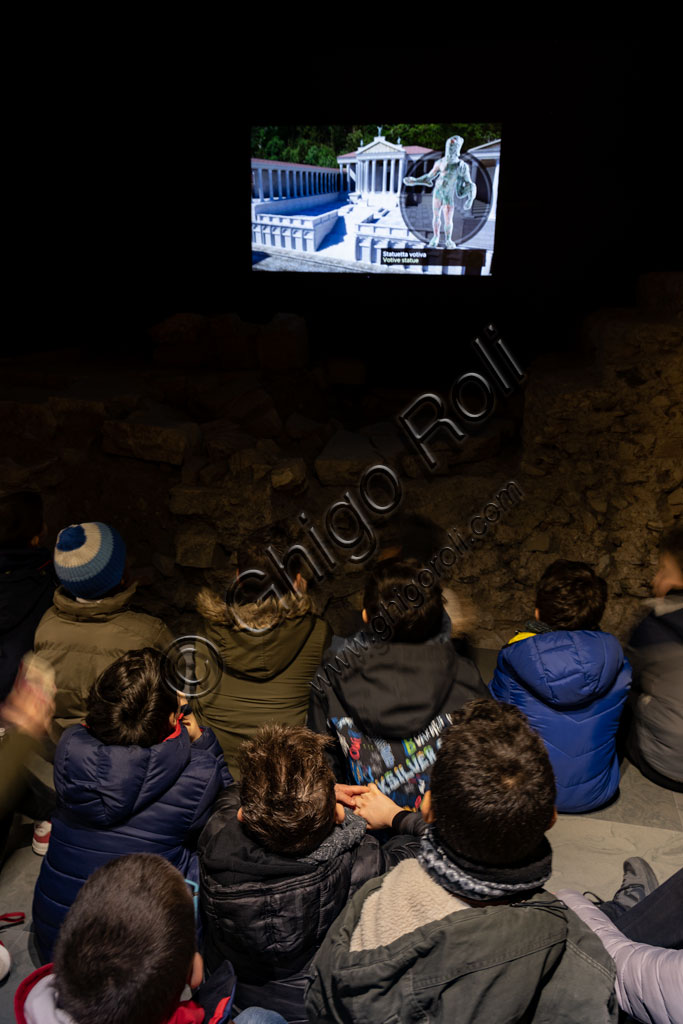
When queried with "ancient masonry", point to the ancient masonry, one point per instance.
{"points": [[230, 428]]}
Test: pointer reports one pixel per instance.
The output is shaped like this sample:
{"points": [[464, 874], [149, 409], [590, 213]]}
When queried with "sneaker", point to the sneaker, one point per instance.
{"points": [[638, 882], [5, 961], [41, 837]]}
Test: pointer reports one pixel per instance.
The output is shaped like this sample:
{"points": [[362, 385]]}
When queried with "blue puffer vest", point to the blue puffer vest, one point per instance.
{"points": [[116, 800], [571, 685]]}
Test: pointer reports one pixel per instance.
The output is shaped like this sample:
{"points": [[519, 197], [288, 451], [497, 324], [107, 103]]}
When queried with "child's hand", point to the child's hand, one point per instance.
{"points": [[345, 794], [190, 723], [378, 810]]}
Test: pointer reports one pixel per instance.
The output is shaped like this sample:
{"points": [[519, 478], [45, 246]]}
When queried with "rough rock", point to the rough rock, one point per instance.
{"points": [[298, 426], [256, 414], [344, 458], [181, 340], [288, 474], [223, 437], [195, 544], [151, 437], [232, 342], [283, 343]]}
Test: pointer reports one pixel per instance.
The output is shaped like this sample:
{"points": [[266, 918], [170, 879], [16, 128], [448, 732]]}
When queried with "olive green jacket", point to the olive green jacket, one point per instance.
{"points": [[82, 638], [266, 678]]}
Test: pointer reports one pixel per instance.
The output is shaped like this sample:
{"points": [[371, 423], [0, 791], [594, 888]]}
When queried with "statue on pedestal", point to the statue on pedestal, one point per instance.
{"points": [[451, 177]]}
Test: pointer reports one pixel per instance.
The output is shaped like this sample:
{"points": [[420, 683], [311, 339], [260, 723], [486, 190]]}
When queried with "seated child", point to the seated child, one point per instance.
{"points": [[279, 859], [91, 623], [386, 700], [571, 680], [27, 579], [125, 953], [270, 648], [466, 932], [128, 780], [655, 742]]}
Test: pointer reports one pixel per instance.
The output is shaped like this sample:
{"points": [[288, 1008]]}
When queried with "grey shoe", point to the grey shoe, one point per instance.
{"points": [[638, 882]]}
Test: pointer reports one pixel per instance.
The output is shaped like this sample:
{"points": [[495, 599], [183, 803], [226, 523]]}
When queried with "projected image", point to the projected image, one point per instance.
{"points": [[381, 199]]}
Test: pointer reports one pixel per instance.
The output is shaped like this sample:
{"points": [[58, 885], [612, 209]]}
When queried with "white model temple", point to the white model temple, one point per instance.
{"points": [[348, 213]]}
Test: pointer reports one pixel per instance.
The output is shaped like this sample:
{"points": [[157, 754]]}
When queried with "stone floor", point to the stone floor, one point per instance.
{"points": [[588, 853]]}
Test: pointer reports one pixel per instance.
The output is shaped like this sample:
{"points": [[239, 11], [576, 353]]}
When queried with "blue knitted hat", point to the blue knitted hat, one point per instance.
{"points": [[89, 559]]}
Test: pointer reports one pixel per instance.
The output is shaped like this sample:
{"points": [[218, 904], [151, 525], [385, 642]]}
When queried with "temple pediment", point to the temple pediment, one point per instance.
{"points": [[374, 149]]}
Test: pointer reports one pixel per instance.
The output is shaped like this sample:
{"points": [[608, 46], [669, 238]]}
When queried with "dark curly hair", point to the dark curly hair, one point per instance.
{"points": [[287, 789], [493, 788], [131, 701]]}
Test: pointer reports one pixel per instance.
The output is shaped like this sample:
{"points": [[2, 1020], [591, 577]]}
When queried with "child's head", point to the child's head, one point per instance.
{"points": [[571, 596], [492, 786], [127, 946], [132, 702], [287, 790], [670, 570], [21, 519], [398, 607], [256, 573], [90, 559]]}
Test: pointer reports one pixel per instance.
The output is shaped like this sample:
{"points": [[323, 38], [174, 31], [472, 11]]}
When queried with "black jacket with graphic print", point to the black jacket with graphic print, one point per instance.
{"points": [[386, 705]]}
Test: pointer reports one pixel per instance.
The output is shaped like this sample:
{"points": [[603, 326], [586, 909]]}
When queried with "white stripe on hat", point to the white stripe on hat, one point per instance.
{"points": [[87, 551]]}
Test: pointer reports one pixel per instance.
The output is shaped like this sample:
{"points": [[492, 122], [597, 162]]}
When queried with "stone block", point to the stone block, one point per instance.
{"points": [[211, 396], [344, 458], [151, 438], [180, 340], [346, 373], [164, 564], [298, 426], [675, 500], [27, 419], [14, 476], [289, 474], [223, 437], [386, 438], [283, 344], [236, 509], [537, 542], [194, 545], [232, 342], [256, 413], [661, 291]]}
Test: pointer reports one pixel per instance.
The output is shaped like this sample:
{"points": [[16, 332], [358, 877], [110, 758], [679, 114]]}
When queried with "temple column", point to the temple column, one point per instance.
{"points": [[384, 176], [270, 182], [279, 183], [392, 176], [260, 183], [494, 190]]}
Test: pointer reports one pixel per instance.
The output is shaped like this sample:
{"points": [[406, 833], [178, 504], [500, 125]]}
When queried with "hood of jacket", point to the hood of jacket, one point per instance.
{"points": [[92, 611], [565, 668], [395, 690], [36, 1003], [261, 655], [103, 785], [25, 573]]}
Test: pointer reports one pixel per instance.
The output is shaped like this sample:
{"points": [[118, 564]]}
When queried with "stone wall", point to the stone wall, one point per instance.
{"points": [[229, 427]]}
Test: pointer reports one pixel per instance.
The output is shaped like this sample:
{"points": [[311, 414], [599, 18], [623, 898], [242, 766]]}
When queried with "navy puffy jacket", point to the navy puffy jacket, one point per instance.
{"points": [[571, 685], [116, 800]]}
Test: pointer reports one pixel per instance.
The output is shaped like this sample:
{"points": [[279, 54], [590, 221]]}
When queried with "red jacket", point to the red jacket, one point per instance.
{"points": [[40, 1004]]}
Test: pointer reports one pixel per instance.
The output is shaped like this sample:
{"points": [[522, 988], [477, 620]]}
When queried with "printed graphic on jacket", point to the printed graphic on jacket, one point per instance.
{"points": [[399, 768]]}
